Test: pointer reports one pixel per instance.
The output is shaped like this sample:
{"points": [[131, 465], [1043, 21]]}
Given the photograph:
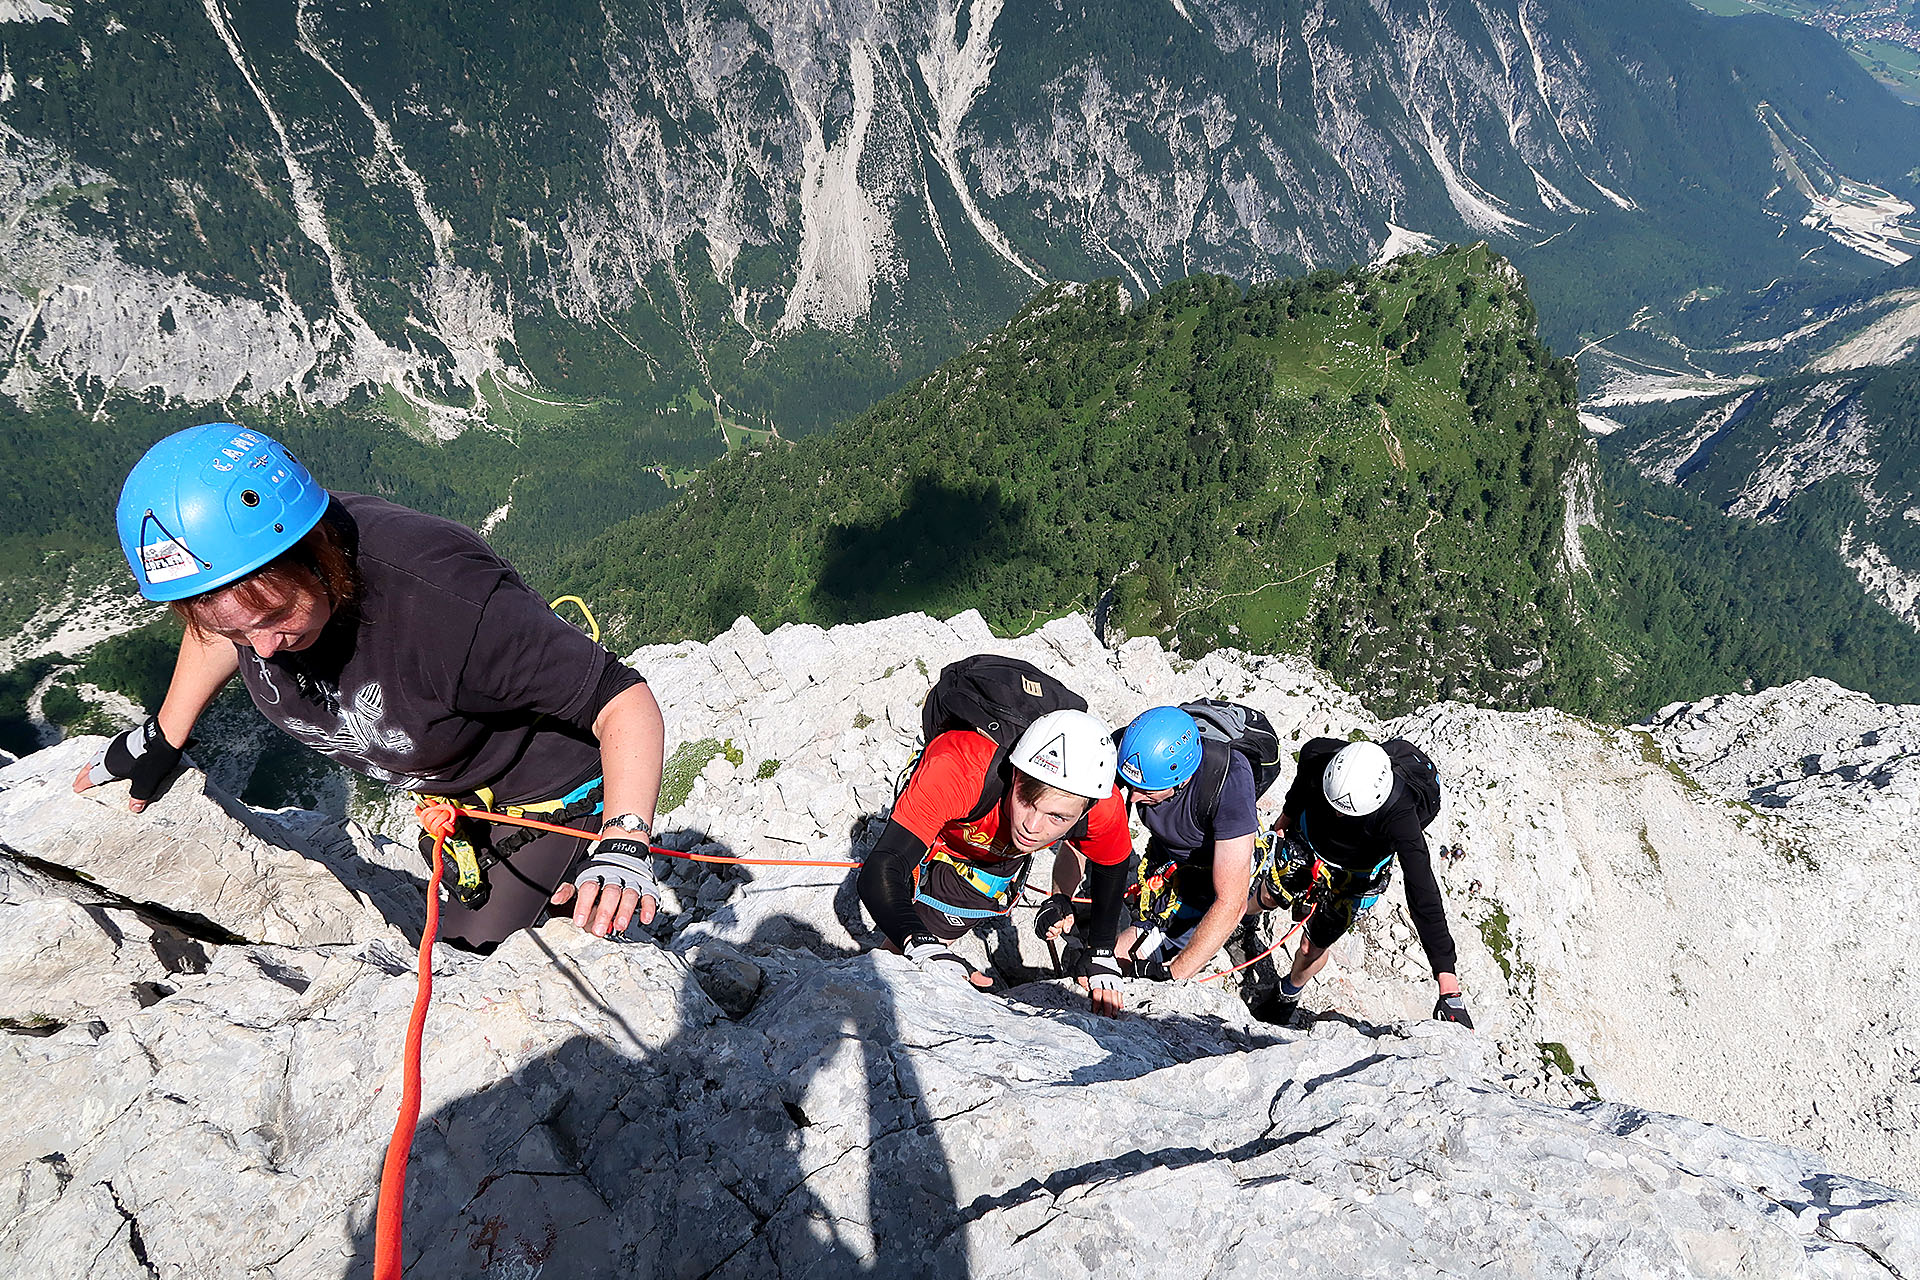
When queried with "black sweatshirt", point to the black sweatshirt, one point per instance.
{"points": [[1359, 844], [447, 673]]}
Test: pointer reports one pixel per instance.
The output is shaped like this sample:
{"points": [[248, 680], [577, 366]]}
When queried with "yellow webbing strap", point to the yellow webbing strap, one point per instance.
{"points": [[593, 625]]}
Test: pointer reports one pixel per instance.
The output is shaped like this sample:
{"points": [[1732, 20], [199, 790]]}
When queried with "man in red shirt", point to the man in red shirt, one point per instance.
{"points": [[939, 871]]}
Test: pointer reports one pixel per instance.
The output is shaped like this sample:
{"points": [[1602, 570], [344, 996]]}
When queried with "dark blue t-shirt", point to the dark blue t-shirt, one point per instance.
{"points": [[1176, 824]]}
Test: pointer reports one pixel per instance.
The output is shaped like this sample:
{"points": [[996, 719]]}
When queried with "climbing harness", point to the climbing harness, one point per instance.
{"points": [[474, 849], [1279, 872], [1003, 891]]}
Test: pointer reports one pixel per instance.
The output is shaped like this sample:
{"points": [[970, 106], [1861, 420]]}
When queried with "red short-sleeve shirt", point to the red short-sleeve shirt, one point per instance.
{"points": [[946, 786]]}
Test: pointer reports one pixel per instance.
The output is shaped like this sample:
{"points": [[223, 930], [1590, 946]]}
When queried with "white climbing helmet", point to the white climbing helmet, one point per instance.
{"points": [[1358, 779], [1070, 750]]}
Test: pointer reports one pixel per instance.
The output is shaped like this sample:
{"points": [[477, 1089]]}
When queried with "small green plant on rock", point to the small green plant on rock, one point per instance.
{"points": [[682, 767], [1554, 1056]]}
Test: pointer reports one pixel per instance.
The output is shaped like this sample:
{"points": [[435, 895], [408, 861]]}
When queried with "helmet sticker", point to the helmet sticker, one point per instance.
{"points": [[1053, 756], [166, 560], [1130, 769]]}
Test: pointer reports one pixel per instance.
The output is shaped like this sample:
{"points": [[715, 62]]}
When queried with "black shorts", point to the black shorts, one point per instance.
{"points": [[520, 886]]}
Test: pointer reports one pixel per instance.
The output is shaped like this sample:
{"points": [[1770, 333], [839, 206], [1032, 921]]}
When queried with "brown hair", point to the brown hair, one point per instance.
{"points": [[1032, 791], [319, 562]]}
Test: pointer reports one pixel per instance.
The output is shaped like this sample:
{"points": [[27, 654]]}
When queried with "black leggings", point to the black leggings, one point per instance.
{"points": [[521, 884]]}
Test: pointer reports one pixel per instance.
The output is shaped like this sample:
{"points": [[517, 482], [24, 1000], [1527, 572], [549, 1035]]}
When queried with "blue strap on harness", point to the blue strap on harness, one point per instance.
{"points": [[1002, 889]]}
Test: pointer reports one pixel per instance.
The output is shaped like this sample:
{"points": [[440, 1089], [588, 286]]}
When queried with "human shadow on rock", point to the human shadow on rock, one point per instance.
{"points": [[735, 1149], [947, 540]]}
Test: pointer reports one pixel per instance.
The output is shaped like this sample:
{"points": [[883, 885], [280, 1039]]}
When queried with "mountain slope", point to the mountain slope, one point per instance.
{"points": [[1834, 457], [1381, 470], [786, 208], [1379, 467]]}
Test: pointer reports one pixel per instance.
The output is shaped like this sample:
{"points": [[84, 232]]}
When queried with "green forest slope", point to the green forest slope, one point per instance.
{"points": [[1379, 468], [1375, 467]]}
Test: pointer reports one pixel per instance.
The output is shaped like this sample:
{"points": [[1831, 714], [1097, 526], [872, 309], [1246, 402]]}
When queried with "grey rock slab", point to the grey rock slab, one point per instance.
{"points": [[62, 962], [195, 850], [745, 1090]]}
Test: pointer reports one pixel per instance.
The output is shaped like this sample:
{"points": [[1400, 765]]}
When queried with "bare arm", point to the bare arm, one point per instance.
{"points": [[633, 740], [1232, 877], [203, 667]]}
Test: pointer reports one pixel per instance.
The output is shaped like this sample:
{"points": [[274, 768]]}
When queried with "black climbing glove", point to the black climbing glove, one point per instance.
{"points": [[143, 755], [1154, 970], [619, 863], [936, 957], [1056, 908], [1103, 971], [1452, 1008]]}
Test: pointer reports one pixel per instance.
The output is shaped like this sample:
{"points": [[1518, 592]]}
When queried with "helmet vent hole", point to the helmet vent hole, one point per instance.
{"points": [[249, 497], [279, 528]]}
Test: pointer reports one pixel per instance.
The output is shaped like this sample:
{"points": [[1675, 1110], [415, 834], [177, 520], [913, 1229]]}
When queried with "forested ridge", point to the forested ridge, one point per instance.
{"points": [[1373, 466], [1370, 465]]}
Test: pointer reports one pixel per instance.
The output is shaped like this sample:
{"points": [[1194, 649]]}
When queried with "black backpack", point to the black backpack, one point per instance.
{"points": [[1416, 769], [999, 697], [1226, 727], [1412, 766]]}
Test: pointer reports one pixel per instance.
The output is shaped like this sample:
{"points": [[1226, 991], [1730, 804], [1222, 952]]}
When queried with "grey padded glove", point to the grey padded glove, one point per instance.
{"points": [[619, 863], [936, 957], [1453, 1008], [1103, 971]]}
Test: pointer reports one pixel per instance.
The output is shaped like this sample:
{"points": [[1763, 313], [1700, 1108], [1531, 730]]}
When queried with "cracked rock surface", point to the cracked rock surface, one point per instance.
{"points": [[205, 1009]]}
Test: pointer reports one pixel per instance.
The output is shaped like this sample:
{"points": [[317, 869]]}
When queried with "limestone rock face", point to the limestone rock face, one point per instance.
{"points": [[205, 1008], [1823, 757]]}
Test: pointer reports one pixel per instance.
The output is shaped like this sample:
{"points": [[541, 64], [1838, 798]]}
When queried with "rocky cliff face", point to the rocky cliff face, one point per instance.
{"points": [[205, 1007], [1832, 451], [304, 198]]}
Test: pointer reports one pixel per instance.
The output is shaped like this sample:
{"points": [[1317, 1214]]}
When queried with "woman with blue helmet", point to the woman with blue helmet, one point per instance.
{"points": [[402, 646]]}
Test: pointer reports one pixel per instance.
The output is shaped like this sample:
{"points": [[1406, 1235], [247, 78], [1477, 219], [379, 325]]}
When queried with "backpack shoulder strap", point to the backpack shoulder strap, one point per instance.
{"points": [[993, 787], [1215, 759]]}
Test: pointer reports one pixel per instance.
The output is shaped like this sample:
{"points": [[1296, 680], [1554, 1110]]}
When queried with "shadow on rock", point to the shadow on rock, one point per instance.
{"points": [[784, 1144], [944, 538]]}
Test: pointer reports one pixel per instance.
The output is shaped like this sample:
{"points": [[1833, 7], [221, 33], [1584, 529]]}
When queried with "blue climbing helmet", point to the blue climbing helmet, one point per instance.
{"points": [[207, 506], [1160, 749]]}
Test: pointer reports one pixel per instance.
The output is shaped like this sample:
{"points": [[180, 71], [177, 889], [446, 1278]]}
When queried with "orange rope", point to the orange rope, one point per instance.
{"points": [[438, 820], [1299, 924], [488, 815]]}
